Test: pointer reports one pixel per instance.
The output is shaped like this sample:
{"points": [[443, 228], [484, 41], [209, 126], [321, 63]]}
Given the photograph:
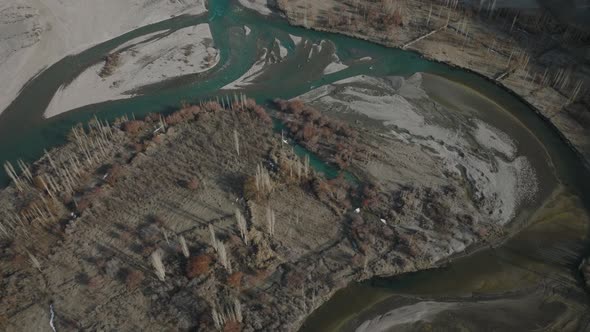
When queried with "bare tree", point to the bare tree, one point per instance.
{"points": [[263, 181], [218, 318], [238, 310], [34, 261], [226, 313], [158, 265], [237, 142], [270, 220], [242, 226], [213, 237], [184, 247], [223, 257], [13, 176]]}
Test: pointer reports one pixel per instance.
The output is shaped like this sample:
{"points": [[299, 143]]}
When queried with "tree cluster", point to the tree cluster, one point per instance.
{"points": [[332, 139]]}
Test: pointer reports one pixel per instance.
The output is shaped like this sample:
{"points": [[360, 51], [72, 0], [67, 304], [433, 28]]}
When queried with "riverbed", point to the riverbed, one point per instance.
{"points": [[266, 58]]}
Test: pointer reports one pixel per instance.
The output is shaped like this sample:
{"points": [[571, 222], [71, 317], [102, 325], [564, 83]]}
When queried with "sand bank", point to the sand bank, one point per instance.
{"points": [[34, 34], [259, 6], [146, 61], [249, 76]]}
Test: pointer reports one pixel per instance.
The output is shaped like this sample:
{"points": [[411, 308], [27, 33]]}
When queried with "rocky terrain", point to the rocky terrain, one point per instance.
{"points": [[206, 218], [34, 34], [529, 51]]}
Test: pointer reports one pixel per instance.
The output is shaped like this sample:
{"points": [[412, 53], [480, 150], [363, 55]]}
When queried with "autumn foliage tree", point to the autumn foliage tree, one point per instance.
{"points": [[198, 265], [232, 326], [133, 127], [192, 183], [369, 195], [319, 133], [133, 279], [111, 62], [115, 173], [234, 280], [335, 191]]}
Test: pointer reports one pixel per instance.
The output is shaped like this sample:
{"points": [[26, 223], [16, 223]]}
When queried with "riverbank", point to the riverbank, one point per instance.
{"points": [[486, 44], [37, 34]]}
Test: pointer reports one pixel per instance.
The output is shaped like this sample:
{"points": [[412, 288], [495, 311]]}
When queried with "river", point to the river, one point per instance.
{"points": [[533, 274]]}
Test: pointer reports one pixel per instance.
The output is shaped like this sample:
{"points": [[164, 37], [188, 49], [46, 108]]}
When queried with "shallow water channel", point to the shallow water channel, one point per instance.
{"points": [[533, 275]]}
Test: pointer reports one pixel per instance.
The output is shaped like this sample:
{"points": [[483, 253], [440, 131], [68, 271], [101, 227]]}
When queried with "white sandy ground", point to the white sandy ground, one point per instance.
{"points": [[491, 138], [139, 40], [315, 49], [257, 5], [268, 58], [296, 39], [424, 312], [34, 34], [283, 52], [421, 311], [249, 76], [182, 52], [502, 183], [335, 66]]}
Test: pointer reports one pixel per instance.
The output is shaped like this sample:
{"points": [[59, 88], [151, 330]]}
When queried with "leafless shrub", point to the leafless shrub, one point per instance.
{"points": [[110, 64]]}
